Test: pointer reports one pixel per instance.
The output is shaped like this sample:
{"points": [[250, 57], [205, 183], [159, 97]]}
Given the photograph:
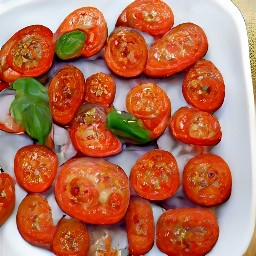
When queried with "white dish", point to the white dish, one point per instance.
{"points": [[228, 50]]}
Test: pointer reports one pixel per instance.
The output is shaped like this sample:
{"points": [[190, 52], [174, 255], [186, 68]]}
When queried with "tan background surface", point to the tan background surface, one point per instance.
{"points": [[248, 10]]}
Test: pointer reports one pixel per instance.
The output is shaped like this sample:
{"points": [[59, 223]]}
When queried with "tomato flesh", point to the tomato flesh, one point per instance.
{"points": [[192, 126], [187, 231], [126, 52], [139, 226], [34, 221], [178, 49], [92, 190], [71, 238], [203, 86], [207, 180], [155, 175], [66, 94], [90, 135], [91, 21], [30, 51], [152, 16], [7, 197], [35, 167]]}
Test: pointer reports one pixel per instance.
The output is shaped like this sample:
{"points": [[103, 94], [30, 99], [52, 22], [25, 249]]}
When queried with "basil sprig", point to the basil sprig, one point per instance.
{"points": [[30, 108]]}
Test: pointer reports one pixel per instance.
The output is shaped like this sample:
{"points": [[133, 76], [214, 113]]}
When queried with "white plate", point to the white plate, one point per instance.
{"points": [[228, 50]]}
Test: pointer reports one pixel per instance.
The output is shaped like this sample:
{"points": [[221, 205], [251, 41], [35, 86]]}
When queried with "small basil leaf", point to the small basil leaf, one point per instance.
{"points": [[127, 127], [70, 44]]}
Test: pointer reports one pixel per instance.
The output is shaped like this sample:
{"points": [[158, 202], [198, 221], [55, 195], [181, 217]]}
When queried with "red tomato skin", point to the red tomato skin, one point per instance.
{"points": [[92, 22], [35, 167], [187, 231], [71, 238], [155, 175], [207, 180], [92, 190], [126, 52], [140, 228], [100, 88], [203, 86], [89, 133], [177, 50], [66, 94], [7, 197], [192, 126], [149, 103], [34, 221], [12, 56], [154, 17], [3, 85], [11, 126]]}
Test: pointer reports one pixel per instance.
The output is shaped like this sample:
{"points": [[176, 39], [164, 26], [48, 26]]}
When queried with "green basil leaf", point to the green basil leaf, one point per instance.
{"points": [[70, 44], [30, 108], [31, 86], [127, 127]]}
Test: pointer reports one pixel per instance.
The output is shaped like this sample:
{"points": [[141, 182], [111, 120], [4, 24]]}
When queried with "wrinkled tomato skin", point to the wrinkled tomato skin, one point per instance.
{"points": [[7, 197], [203, 86], [177, 50], [92, 190], [187, 231], [192, 126], [66, 94], [140, 228]]}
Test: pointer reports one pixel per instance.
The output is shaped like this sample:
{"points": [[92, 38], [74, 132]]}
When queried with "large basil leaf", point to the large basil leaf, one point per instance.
{"points": [[30, 108]]}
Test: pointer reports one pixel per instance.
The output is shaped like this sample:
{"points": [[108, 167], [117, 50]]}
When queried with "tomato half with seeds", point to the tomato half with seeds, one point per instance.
{"points": [[71, 238], [150, 103], [203, 86], [100, 88], [155, 175], [35, 167], [34, 220], [7, 196], [28, 53], [140, 228], [90, 135], [152, 16], [187, 231], [92, 22], [66, 93], [126, 52], [207, 180], [192, 126], [177, 50], [92, 190]]}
